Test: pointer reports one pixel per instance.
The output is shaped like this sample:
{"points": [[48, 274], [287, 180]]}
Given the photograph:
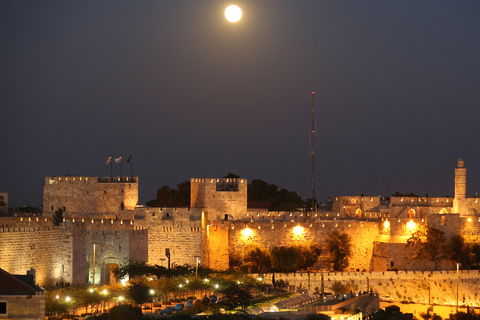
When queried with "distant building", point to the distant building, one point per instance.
{"points": [[3, 204], [20, 298]]}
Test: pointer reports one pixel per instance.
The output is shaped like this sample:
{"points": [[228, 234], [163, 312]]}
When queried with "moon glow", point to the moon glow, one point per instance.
{"points": [[233, 13]]}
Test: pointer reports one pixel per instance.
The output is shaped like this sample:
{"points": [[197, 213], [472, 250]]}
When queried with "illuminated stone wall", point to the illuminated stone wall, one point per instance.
{"points": [[46, 248], [438, 287], [354, 206], [273, 234], [221, 197], [64, 253], [176, 229], [24, 306], [89, 195]]}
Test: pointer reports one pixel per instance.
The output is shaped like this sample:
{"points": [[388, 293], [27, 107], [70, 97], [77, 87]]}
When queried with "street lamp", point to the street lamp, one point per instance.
{"points": [[196, 270], [458, 266], [94, 247]]}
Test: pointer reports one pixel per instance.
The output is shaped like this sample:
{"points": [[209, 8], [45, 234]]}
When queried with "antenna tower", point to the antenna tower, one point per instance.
{"points": [[312, 153]]}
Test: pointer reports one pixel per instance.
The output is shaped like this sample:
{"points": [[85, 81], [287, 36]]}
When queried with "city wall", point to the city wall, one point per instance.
{"points": [[50, 250], [78, 194], [273, 234], [176, 229], [64, 252], [427, 287]]}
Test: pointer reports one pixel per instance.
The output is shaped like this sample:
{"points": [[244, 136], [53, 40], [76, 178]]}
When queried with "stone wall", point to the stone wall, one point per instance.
{"points": [[47, 249], [439, 287], [89, 194], [65, 252], [221, 197], [176, 229], [273, 234], [24, 307], [354, 206]]}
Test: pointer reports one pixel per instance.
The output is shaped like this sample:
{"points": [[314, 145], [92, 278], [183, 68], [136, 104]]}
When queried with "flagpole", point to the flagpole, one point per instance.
{"points": [[111, 170], [121, 174]]}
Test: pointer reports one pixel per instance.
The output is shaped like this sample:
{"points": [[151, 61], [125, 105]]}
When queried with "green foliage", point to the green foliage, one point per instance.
{"points": [[167, 197], [317, 316], [462, 252], [140, 268], [139, 292], [235, 298], [54, 306], [259, 257], [125, 312], [58, 217], [283, 200], [295, 257], [338, 287], [465, 316], [429, 242], [338, 249], [232, 176], [285, 259]]}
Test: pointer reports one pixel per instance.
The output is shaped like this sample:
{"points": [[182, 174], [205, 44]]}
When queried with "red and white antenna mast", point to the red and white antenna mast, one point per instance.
{"points": [[312, 153]]}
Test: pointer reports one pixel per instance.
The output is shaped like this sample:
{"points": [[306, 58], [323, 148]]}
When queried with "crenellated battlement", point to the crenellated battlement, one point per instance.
{"points": [[84, 195]]}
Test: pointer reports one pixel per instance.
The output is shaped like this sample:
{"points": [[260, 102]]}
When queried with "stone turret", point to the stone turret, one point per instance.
{"points": [[460, 186]]}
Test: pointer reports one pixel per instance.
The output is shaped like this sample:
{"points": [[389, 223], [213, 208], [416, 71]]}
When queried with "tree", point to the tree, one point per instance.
{"points": [[461, 252], [167, 197], [310, 254], [164, 197], [235, 297], [58, 217], [285, 258], [259, 257], [429, 242], [125, 312], [139, 292], [183, 195], [338, 248], [232, 175], [283, 200]]}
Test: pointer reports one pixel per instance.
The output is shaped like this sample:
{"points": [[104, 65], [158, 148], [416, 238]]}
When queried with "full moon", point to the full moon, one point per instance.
{"points": [[233, 13]]}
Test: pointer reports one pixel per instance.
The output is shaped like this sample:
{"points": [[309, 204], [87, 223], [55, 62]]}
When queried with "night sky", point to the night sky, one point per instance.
{"points": [[191, 95]]}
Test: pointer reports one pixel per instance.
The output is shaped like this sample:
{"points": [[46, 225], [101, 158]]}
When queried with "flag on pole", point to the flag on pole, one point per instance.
{"points": [[118, 160], [109, 160], [129, 159]]}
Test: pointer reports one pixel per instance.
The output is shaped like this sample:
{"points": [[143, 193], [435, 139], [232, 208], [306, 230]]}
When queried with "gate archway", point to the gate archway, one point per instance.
{"points": [[110, 262]]}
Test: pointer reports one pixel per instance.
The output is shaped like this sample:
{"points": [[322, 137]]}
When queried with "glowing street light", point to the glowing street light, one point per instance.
{"points": [[196, 269], [458, 266]]}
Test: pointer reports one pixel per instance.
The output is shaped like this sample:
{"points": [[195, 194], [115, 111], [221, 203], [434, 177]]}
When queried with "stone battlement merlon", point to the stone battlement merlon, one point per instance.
{"points": [[300, 216], [78, 179]]}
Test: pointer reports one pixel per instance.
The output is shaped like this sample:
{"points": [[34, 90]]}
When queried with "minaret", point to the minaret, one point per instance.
{"points": [[460, 186], [460, 180]]}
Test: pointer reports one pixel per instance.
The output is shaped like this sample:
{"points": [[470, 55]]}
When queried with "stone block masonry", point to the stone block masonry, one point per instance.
{"points": [[427, 287], [177, 230], [274, 234], [48, 249]]}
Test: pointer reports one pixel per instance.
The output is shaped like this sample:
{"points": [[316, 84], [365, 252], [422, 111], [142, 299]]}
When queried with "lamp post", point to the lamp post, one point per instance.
{"points": [[196, 269], [94, 246], [458, 265]]}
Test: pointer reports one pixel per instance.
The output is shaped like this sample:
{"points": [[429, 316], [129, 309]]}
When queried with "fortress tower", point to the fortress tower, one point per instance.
{"points": [[80, 195], [460, 187], [225, 198]]}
